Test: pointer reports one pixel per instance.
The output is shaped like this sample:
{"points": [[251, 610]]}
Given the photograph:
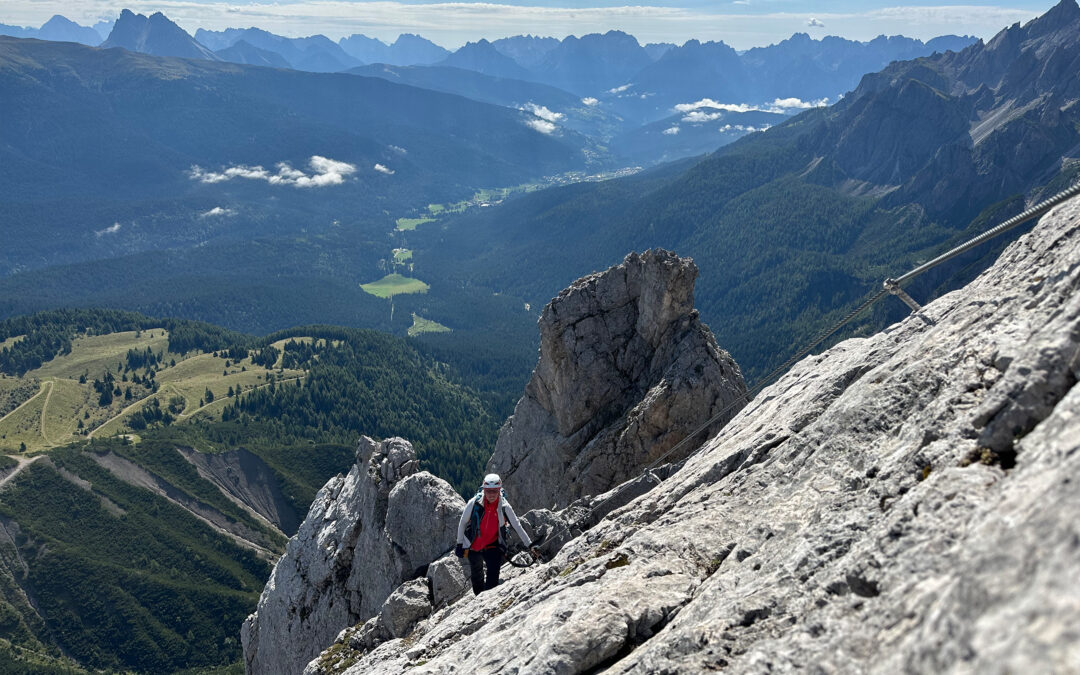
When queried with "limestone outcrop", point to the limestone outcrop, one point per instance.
{"points": [[365, 534], [626, 371], [905, 502]]}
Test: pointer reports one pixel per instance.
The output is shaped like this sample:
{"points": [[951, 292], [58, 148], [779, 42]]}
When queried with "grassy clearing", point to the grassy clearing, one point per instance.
{"points": [[66, 410], [10, 342], [395, 284], [194, 376], [435, 209], [402, 255], [23, 426], [421, 325], [66, 402], [96, 354], [412, 223]]}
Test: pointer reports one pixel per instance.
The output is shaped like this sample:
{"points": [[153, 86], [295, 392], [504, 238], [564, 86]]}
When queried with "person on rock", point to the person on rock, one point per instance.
{"points": [[482, 532]]}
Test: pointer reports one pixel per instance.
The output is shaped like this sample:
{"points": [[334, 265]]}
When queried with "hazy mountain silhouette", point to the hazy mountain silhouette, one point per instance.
{"points": [[155, 35], [527, 50], [593, 63], [407, 50], [243, 51], [316, 53], [58, 28], [571, 111], [483, 57]]}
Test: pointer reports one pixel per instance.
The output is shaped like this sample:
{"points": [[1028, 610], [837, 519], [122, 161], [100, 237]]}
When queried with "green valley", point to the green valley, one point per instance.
{"points": [[143, 527]]}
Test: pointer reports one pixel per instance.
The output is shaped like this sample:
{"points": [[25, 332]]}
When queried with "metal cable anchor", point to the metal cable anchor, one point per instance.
{"points": [[892, 286]]}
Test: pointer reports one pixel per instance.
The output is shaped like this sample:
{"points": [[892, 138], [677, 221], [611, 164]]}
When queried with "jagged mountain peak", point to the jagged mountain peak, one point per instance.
{"points": [[157, 35]]}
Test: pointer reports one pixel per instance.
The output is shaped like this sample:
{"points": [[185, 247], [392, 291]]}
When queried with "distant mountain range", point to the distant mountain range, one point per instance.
{"points": [[407, 50], [188, 172], [62, 29], [317, 53], [793, 226], [620, 86]]}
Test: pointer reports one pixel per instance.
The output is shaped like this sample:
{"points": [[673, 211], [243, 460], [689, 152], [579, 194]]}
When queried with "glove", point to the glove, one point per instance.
{"points": [[458, 551], [535, 552]]}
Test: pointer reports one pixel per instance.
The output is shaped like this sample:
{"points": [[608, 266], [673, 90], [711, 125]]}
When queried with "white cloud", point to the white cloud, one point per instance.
{"points": [[792, 103], [716, 105], [700, 117], [217, 211], [384, 169], [746, 128], [112, 229], [814, 23], [619, 90], [398, 149], [543, 126], [671, 131], [542, 112], [325, 172], [696, 111], [590, 101]]}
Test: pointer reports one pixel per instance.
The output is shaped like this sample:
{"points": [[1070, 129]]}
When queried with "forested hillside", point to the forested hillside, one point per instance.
{"points": [[143, 544]]}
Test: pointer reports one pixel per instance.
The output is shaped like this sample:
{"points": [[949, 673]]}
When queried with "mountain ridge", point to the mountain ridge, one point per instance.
{"points": [[155, 35]]}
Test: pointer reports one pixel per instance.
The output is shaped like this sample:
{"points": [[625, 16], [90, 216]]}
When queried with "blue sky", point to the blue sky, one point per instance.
{"points": [[740, 23]]}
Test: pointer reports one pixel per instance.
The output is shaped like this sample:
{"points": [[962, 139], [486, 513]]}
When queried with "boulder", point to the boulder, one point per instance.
{"points": [[405, 607], [449, 580], [626, 371], [364, 534]]}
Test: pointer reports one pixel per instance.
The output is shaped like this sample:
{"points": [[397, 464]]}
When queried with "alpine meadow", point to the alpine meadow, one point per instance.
{"points": [[765, 320]]}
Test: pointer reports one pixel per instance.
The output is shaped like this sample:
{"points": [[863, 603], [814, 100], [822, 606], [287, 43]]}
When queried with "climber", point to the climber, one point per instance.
{"points": [[482, 532]]}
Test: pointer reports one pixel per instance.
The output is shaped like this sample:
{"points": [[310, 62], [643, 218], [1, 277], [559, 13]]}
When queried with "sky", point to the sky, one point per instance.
{"points": [[740, 23]]}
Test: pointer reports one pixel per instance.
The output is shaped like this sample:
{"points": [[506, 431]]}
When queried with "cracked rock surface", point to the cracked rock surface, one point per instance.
{"points": [[626, 371], [905, 502], [365, 533]]}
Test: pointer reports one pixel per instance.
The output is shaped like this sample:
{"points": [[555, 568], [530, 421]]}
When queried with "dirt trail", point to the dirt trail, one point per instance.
{"points": [[23, 463], [26, 402], [44, 408]]}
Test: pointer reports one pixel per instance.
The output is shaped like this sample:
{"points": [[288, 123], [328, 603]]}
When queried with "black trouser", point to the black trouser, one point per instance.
{"points": [[492, 557]]}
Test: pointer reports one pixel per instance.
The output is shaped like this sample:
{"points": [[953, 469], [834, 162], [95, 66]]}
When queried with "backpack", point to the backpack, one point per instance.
{"points": [[473, 527]]}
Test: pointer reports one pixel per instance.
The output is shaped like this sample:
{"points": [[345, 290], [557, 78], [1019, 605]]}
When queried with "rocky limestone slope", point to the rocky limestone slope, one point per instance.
{"points": [[244, 478], [385, 515], [626, 371], [903, 502]]}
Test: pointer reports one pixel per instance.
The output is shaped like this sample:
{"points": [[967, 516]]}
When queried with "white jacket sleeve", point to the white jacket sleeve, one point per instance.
{"points": [[464, 522], [512, 517]]}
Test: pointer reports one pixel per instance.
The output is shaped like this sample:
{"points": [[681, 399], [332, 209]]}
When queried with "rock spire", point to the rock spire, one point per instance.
{"points": [[626, 371]]}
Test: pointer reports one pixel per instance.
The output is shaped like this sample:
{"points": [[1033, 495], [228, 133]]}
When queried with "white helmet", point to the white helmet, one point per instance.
{"points": [[492, 480]]}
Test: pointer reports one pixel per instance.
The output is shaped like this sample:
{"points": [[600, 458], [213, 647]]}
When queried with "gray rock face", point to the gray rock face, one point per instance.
{"points": [[365, 533], [905, 502], [449, 580], [626, 371]]}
